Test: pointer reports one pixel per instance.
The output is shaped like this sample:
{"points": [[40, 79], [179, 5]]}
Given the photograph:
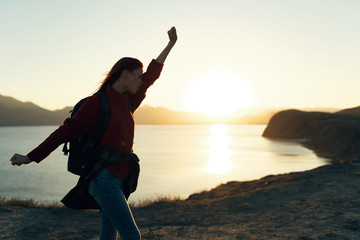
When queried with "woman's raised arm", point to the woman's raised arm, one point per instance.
{"points": [[172, 40]]}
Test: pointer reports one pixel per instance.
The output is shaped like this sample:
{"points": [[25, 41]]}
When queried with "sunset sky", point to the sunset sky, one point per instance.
{"points": [[278, 53]]}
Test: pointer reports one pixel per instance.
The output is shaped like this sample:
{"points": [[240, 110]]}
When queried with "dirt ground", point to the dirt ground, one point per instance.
{"points": [[323, 203]]}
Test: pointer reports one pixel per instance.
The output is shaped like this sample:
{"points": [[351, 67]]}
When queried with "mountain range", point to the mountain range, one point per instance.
{"points": [[17, 113]]}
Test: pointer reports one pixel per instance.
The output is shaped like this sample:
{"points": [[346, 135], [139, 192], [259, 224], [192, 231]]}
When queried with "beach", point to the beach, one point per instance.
{"points": [[323, 203]]}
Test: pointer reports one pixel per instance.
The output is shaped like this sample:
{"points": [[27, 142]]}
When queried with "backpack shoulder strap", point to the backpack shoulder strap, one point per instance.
{"points": [[103, 119]]}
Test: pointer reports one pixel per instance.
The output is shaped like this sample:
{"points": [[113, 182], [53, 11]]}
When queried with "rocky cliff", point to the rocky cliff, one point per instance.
{"points": [[331, 135]]}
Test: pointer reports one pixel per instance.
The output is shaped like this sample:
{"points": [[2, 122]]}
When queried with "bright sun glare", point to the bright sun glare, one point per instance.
{"points": [[219, 141], [219, 94]]}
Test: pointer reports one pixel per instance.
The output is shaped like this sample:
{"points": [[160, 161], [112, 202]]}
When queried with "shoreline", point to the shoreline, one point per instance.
{"points": [[322, 203], [157, 196]]}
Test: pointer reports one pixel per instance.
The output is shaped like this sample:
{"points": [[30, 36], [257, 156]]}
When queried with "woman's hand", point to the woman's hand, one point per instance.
{"points": [[18, 160], [172, 35]]}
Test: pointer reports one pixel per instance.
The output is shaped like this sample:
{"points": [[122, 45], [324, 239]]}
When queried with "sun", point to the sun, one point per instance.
{"points": [[218, 93]]}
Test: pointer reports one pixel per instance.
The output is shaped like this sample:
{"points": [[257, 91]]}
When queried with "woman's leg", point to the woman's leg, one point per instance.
{"points": [[107, 191], [108, 230]]}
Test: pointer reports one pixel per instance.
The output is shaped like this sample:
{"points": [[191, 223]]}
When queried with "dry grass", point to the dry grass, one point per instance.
{"points": [[159, 199], [28, 203], [31, 203]]}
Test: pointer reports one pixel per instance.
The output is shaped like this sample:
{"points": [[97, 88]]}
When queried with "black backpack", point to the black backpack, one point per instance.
{"points": [[79, 150]]}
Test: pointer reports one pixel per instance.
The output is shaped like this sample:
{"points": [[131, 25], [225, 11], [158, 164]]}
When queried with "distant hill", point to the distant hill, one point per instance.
{"points": [[160, 115], [16, 113], [350, 111], [331, 135]]}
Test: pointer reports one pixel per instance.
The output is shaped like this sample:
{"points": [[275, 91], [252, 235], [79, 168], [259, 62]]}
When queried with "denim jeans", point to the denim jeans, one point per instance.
{"points": [[116, 215]]}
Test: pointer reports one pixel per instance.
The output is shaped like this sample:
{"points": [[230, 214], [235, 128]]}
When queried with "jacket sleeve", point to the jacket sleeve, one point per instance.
{"points": [[152, 73], [72, 128]]}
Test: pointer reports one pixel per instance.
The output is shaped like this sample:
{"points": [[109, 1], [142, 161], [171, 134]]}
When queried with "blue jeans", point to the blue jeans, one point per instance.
{"points": [[116, 215]]}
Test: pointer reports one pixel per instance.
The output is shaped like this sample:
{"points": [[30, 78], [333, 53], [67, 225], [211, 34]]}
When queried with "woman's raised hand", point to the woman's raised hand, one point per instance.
{"points": [[19, 159], [172, 35]]}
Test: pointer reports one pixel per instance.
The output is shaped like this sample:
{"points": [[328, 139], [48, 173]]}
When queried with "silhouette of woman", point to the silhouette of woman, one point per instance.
{"points": [[125, 80]]}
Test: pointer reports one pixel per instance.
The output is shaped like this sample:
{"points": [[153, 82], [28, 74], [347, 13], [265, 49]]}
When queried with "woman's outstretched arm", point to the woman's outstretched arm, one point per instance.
{"points": [[172, 40]]}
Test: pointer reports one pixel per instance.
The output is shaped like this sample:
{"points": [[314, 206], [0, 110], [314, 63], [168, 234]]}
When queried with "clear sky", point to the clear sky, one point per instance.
{"points": [[284, 53]]}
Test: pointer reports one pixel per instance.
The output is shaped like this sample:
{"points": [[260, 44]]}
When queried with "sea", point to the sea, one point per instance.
{"points": [[175, 160]]}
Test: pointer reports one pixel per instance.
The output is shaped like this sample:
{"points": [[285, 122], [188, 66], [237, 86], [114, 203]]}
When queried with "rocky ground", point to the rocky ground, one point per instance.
{"points": [[323, 203]]}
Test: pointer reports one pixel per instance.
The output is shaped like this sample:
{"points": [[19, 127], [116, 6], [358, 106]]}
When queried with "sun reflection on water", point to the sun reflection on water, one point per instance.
{"points": [[219, 141]]}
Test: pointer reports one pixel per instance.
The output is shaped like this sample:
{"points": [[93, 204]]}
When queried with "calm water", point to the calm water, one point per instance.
{"points": [[175, 160]]}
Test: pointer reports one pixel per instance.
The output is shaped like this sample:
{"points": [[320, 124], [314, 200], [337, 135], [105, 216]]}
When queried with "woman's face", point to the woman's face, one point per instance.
{"points": [[133, 80]]}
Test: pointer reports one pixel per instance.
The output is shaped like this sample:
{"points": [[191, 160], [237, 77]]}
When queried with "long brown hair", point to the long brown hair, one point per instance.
{"points": [[127, 63]]}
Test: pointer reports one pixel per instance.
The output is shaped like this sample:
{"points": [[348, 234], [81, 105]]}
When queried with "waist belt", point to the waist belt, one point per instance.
{"points": [[107, 156]]}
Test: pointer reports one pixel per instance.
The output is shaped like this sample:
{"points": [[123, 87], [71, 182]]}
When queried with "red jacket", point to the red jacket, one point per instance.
{"points": [[120, 130]]}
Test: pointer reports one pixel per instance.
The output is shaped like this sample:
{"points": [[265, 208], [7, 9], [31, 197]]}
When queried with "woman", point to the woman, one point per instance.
{"points": [[124, 81]]}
